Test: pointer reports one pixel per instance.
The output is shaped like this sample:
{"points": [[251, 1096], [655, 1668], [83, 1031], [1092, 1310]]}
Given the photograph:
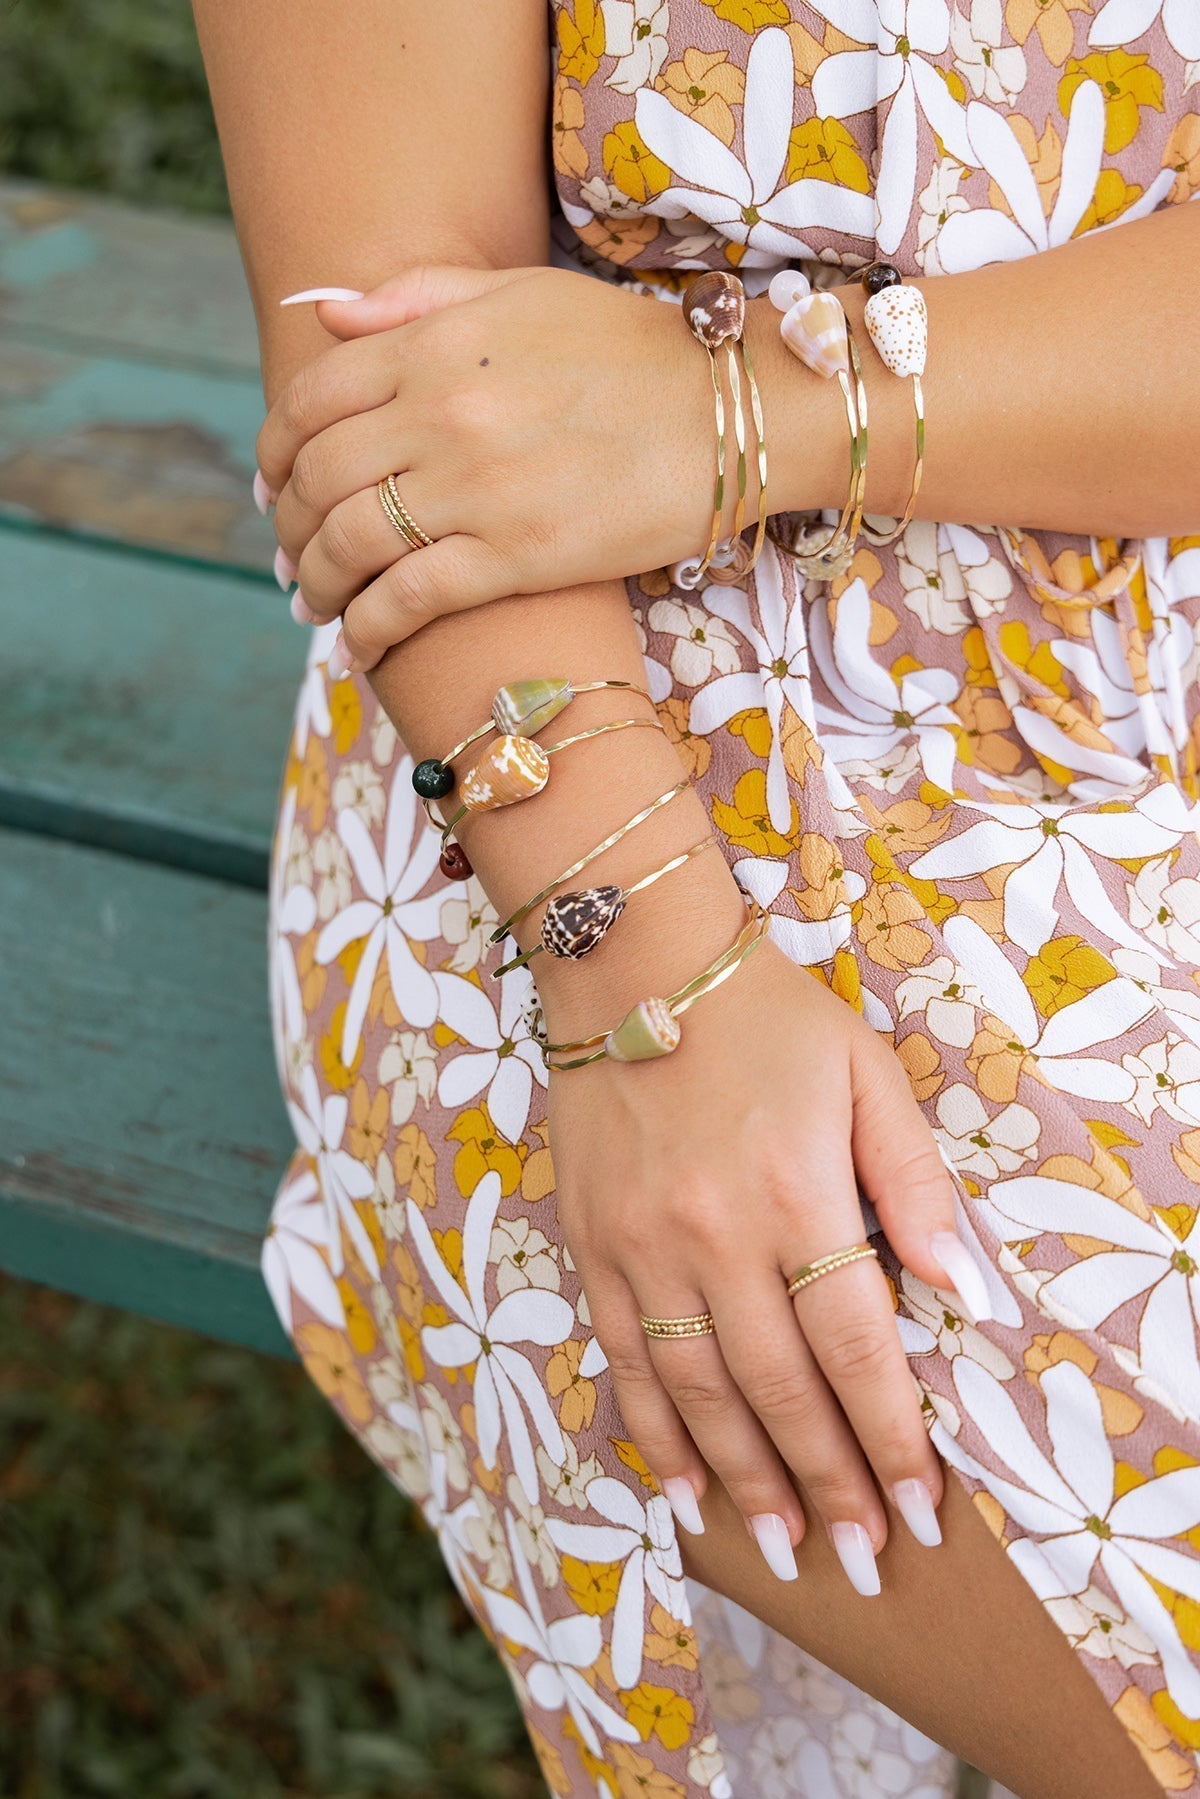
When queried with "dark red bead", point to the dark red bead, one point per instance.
{"points": [[878, 275], [454, 864]]}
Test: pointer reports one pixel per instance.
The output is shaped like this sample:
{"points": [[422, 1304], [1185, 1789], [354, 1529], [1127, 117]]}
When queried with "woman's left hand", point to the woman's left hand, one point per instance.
{"points": [[546, 429]]}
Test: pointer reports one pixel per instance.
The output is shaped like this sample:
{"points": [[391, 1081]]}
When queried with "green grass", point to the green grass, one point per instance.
{"points": [[108, 94], [207, 1591]]}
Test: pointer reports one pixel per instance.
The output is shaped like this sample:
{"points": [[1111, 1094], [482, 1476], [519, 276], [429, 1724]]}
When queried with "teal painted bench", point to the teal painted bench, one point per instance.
{"points": [[147, 679]]}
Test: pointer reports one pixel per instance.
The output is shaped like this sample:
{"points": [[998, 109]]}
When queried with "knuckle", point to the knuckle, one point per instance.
{"points": [[305, 479], [701, 1395], [409, 595], [298, 403], [780, 1395], [629, 1367], [340, 543], [854, 1351]]}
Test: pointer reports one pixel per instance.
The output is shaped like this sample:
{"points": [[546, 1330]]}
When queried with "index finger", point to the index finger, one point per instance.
{"points": [[344, 381]]}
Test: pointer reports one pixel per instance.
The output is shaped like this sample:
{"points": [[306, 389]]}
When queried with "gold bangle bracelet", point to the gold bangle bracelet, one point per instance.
{"points": [[830, 557], [918, 471], [897, 321], [568, 874], [574, 923]]}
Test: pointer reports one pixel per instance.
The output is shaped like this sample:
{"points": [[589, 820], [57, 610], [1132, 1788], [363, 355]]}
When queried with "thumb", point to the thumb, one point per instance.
{"points": [[427, 287], [901, 1170]]}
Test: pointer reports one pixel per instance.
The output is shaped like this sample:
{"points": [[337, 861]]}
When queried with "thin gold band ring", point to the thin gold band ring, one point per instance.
{"points": [[839, 1258], [399, 515], [700, 1324]]}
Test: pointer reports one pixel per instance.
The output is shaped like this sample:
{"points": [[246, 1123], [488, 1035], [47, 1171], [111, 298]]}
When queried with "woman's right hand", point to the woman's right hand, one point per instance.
{"points": [[700, 1182]]}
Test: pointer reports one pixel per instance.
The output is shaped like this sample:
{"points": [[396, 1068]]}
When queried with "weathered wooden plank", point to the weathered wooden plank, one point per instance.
{"points": [[143, 704], [129, 389], [141, 1130]]}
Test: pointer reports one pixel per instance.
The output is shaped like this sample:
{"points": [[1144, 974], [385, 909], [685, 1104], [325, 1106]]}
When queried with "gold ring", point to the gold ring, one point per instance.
{"points": [[700, 1324], [400, 516], [840, 1258]]}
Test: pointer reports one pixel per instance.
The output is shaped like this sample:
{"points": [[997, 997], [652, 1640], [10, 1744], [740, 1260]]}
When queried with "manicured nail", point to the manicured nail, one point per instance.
{"points": [[914, 1502], [681, 1497], [301, 611], [339, 663], [322, 293], [264, 499], [965, 1277], [285, 569], [771, 1535], [854, 1552]]}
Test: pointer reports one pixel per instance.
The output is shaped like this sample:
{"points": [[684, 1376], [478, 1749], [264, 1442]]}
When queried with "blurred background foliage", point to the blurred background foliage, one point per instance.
{"points": [[108, 94]]}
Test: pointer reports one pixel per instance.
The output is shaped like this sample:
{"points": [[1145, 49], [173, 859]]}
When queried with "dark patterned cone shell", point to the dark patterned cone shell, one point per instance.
{"points": [[575, 922], [714, 305]]}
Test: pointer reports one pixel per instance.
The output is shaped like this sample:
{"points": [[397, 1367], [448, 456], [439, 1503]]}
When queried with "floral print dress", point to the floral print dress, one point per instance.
{"points": [[963, 776]]}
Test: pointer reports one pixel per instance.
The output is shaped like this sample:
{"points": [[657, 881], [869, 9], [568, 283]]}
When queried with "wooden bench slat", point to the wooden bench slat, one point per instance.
{"points": [[142, 1133], [143, 704]]}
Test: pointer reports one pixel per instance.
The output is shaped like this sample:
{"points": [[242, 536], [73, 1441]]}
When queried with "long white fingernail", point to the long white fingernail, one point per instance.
{"points": [[264, 499], [301, 611], [322, 293], [854, 1552], [771, 1535], [914, 1502], [285, 569], [965, 1277], [680, 1495], [339, 661]]}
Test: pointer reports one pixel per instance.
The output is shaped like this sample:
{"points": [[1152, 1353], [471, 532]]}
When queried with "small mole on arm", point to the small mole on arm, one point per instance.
{"points": [[483, 361]]}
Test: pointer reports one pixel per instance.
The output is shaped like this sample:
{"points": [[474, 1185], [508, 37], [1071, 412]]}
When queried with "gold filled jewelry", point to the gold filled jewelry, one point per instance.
{"points": [[839, 1258], [400, 516], [700, 1324]]}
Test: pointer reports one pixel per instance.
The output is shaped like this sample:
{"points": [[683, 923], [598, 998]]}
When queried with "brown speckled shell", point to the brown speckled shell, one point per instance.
{"points": [[714, 305], [510, 769], [575, 923]]}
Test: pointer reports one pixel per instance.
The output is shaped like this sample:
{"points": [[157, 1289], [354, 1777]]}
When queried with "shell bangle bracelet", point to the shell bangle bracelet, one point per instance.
{"points": [[898, 323], [651, 1029], [514, 768], [574, 923], [568, 874], [518, 706]]}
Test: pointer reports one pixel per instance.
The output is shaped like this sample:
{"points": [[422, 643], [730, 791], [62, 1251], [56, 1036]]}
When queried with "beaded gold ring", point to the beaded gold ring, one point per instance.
{"points": [[897, 321], [700, 1324], [838, 1258], [574, 923], [400, 516]]}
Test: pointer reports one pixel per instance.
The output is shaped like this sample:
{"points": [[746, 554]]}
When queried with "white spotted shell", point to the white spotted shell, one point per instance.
{"points": [[899, 326]]}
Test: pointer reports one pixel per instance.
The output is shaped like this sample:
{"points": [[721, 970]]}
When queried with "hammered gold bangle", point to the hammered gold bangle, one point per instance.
{"points": [[897, 322], [840, 1258], [830, 556]]}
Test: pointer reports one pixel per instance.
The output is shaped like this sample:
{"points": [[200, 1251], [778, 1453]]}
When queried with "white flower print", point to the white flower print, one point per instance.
{"points": [[949, 1332], [948, 1000], [1181, 1005], [384, 740], [641, 1534], [408, 1065], [985, 234], [1167, 911], [505, 1380], [704, 646], [292, 1258], [1135, 722], [444, 1436], [745, 200], [1122, 21], [902, 33], [487, 1542], [357, 785], [533, 1534], [312, 702], [938, 200], [331, 874], [1070, 1504], [388, 1209], [870, 1761], [319, 1125], [567, 1485], [1167, 1076], [635, 32], [1094, 1623], [948, 577], [293, 913], [468, 918], [993, 70], [503, 1058], [524, 1257], [389, 911], [561, 1651], [981, 1145], [706, 1767]]}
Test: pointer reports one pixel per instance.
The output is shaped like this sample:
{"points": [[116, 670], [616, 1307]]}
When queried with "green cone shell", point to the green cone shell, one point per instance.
{"points": [[649, 1030], [526, 706]]}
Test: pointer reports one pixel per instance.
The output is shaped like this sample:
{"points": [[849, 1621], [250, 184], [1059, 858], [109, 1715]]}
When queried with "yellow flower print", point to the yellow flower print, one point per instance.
{"points": [[345, 710], [1037, 659], [1044, 155], [415, 1162], [750, 15], [821, 865], [1113, 196], [619, 239], [1120, 1412], [550, 1761], [630, 166], [1051, 19], [694, 752], [799, 748], [823, 150], [657, 1711], [576, 1392], [632, 1459], [638, 1778], [746, 822], [592, 1585], [997, 1060], [1186, 1153], [1063, 970], [910, 827], [706, 86], [731, 1686], [368, 1121], [537, 1176], [922, 1064], [482, 1149], [887, 928], [336, 1073], [1183, 155], [580, 41], [670, 1643], [1153, 1725], [329, 1359], [1127, 83], [312, 793], [754, 728], [985, 721], [567, 120], [360, 1326]]}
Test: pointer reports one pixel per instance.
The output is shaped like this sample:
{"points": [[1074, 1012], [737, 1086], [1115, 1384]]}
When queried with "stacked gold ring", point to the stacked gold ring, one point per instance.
{"points": [[400, 516], [840, 1258], [700, 1324]]}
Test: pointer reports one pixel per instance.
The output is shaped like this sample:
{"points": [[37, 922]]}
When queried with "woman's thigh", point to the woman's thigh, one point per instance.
{"points": [[957, 1643]]}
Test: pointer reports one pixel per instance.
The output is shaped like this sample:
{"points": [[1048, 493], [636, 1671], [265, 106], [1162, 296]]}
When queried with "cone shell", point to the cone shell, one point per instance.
{"points": [[649, 1030], [574, 923], [899, 326], [528, 705], [814, 329], [512, 768], [714, 305]]}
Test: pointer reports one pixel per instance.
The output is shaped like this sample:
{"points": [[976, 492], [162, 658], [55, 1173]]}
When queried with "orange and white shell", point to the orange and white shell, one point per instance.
{"points": [[814, 329], [512, 768], [899, 326]]}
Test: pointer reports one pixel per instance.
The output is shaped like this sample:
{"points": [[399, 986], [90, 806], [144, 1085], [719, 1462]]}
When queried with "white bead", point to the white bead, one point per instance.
{"points": [[788, 286]]}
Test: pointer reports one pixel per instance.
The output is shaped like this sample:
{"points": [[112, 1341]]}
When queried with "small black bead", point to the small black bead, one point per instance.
{"points": [[432, 779], [878, 275]]}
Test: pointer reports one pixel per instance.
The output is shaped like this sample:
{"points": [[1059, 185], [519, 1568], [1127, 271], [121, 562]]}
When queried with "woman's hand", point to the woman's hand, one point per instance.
{"points": [[702, 1182], [545, 428]]}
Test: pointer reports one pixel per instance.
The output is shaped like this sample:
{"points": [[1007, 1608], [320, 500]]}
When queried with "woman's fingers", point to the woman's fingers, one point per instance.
{"points": [[354, 545], [426, 288], [350, 456], [905, 1178], [339, 385], [454, 574]]}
